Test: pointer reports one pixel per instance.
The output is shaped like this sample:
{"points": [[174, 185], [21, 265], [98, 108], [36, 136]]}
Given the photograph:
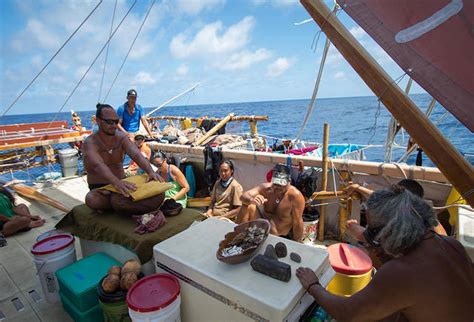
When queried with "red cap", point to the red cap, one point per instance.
{"points": [[153, 293], [52, 244], [349, 260]]}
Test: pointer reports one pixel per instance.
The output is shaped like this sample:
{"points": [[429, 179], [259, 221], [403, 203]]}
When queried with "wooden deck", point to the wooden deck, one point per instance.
{"points": [[21, 298]]}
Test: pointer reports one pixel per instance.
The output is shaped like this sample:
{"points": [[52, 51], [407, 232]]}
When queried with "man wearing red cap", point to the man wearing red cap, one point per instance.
{"points": [[279, 202]]}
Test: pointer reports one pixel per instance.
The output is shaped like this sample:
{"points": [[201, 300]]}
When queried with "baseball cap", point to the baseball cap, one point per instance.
{"points": [[131, 92], [139, 137], [281, 175]]}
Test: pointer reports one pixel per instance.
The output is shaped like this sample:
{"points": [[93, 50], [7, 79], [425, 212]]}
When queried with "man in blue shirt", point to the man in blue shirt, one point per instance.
{"points": [[130, 114]]}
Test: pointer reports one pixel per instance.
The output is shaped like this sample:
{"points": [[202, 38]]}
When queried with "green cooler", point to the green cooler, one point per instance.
{"points": [[78, 281]]}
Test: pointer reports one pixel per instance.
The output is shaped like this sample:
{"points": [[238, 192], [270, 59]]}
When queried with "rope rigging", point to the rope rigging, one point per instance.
{"points": [[107, 53], [318, 81], [50, 60], [92, 64], [129, 50]]}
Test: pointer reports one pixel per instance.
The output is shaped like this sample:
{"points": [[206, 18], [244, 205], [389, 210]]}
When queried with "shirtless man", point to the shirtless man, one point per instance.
{"points": [[428, 277], [104, 152], [279, 202]]}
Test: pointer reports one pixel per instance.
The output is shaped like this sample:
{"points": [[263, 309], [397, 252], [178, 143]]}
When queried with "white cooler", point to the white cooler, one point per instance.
{"points": [[214, 291]]}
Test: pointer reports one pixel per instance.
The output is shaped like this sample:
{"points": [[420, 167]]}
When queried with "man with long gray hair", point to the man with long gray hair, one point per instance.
{"points": [[427, 277]]}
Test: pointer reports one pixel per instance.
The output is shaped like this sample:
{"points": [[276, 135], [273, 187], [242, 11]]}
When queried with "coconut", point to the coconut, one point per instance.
{"points": [[111, 283], [115, 270], [128, 279], [132, 266]]}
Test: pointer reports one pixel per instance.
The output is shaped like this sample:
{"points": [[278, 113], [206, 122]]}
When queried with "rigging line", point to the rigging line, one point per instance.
{"points": [[377, 113], [129, 50], [92, 64], [50, 60], [107, 52]]}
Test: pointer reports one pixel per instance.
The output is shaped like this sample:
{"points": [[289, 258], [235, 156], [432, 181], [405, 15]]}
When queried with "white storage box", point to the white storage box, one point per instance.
{"points": [[214, 291]]}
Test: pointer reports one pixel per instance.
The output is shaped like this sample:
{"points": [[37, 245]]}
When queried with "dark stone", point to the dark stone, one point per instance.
{"points": [[270, 252], [271, 267], [295, 257], [281, 250]]}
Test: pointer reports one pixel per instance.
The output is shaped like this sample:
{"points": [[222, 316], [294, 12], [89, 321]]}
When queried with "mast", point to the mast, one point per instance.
{"points": [[172, 99], [449, 161]]}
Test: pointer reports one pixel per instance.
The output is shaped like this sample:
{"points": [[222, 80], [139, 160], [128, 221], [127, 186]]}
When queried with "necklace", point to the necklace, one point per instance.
{"points": [[277, 201], [109, 151]]}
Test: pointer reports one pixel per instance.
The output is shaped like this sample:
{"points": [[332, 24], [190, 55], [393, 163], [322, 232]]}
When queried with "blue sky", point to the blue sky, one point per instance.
{"points": [[240, 51]]}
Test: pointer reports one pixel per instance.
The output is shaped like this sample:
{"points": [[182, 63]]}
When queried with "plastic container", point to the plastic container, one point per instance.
{"points": [[155, 298], [187, 123], [94, 314], [310, 228], [353, 269], [68, 160], [113, 305], [50, 255], [78, 282]]}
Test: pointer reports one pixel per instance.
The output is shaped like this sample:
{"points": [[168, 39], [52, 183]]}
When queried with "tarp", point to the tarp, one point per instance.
{"points": [[86, 223], [431, 40]]}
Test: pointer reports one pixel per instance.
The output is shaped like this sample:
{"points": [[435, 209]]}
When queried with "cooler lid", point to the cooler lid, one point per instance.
{"points": [[350, 260], [52, 244], [153, 293]]}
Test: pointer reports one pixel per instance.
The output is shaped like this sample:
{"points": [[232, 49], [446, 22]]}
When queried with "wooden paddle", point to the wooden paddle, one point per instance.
{"points": [[32, 193]]}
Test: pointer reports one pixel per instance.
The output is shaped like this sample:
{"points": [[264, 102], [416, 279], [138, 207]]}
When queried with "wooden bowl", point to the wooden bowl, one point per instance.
{"points": [[260, 223]]}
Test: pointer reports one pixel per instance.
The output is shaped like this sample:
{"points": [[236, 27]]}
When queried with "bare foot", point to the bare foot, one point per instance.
{"points": [[36, 223], [355, 230]]}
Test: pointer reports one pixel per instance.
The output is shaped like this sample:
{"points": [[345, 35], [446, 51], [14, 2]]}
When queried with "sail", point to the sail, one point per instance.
{"points": [[431, 40]]}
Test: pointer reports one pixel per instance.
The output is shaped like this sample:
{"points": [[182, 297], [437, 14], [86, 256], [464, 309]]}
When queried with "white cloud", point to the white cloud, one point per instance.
{"points": [[339, 75], [212, 39], [194, 7], [244, 59], [334, 57], [358, 32], [276, 3], [144, 78], [182, 70], [278, 67]]}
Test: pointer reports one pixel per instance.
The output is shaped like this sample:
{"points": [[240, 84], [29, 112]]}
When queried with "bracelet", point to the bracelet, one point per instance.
{"points": [[311, 285]]}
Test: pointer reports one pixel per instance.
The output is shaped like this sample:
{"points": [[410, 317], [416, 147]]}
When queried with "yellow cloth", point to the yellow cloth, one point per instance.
{"points": [[144, 189], [454, 197]]}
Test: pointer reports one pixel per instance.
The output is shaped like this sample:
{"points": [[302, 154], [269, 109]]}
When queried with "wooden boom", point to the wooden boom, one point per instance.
{"points": [[451, 163]]}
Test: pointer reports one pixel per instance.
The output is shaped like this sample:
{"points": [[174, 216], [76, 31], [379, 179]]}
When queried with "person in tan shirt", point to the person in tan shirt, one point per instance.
{"points": [[225, 196]]}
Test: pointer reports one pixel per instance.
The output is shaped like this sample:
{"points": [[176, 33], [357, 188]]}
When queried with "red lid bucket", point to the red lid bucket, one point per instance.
{"points": [[349, 260], [52, 244], [153, 293]]}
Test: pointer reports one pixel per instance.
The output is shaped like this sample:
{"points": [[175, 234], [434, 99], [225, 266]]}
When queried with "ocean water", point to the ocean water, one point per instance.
{"points": [[357, 120]]}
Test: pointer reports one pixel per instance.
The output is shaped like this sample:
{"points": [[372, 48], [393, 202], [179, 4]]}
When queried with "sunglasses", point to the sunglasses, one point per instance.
{"points": [[110, 121], [370, 234]]}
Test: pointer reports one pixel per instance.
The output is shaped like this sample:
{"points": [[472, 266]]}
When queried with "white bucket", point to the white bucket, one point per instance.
{"points": [[49, 261], [310, 231], [171, 313], [155, 298]]}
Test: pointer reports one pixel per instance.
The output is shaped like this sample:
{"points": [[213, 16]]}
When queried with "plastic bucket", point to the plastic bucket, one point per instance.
{"points": [[353, 269], [115, 311], [310, 231], [347, 285], [155, 298], [50, 255], [68, 160]]}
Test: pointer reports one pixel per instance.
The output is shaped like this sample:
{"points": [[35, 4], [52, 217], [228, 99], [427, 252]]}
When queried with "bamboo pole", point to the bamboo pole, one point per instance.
{"points": [[318, 195], [216, 128], [324, 182], [32, 193], [366, 167], [344, 208], [214, 119], [458, 171]]}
